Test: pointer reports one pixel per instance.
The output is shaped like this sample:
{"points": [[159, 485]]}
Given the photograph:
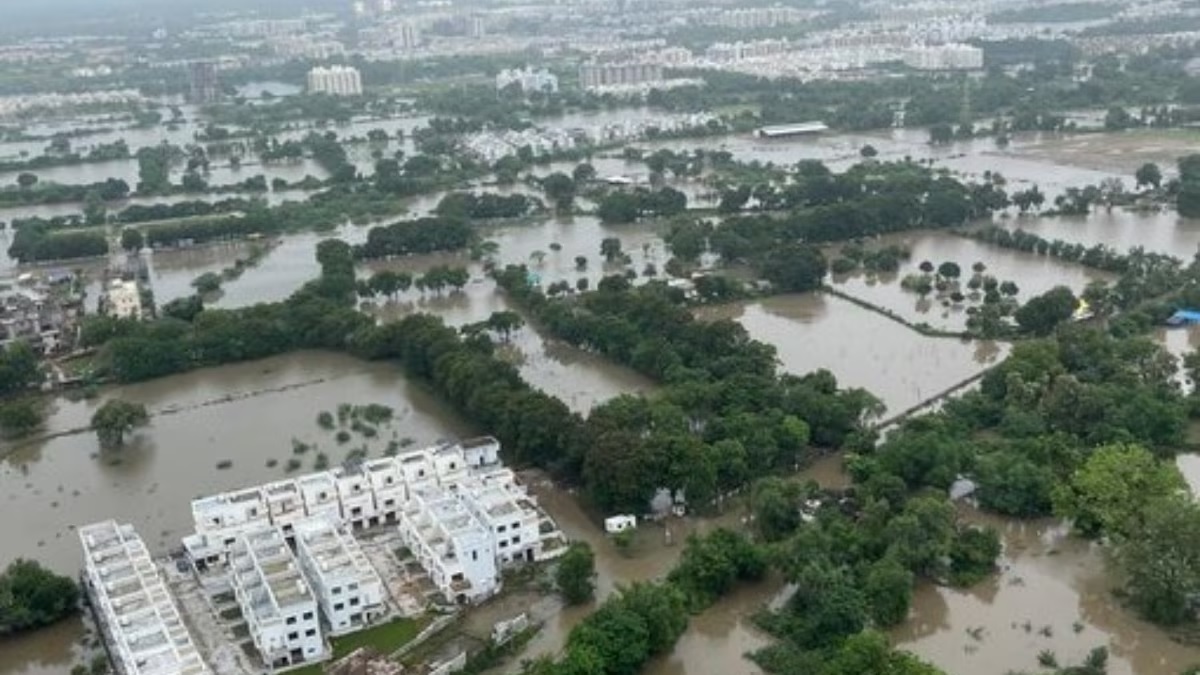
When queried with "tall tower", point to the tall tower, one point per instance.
{"points": [[202, 82]]}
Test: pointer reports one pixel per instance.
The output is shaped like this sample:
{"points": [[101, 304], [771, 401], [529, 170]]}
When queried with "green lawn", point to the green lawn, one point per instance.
{"points": [[384, 638]]}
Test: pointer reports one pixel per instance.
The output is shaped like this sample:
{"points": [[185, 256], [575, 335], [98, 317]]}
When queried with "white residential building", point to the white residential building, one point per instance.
{"points": [[446, 498], [125, 300], [452, 544], [528, 79], [277, 603], [945, 57], [349, 591], [140, 623], [510, 519], [335, 81]]}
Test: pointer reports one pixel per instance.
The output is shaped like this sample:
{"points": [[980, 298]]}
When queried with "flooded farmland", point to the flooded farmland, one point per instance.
{"points": [[249, 413], [1053, 593], [1032, 273], [860, 347]]}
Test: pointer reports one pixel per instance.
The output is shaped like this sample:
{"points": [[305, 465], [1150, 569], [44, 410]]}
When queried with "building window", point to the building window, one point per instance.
{"points": [[310, 632], [516, 540], [354, 601], [338, 607], [453, 466], [474, 555], [308, 616], [516, 525], [291, 620], [502, 528], [322, 496], [352, 586], [336, 590], [503, 543], [293, 636]]}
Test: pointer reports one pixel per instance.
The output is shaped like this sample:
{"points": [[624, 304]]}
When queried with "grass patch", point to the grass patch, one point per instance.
{"points": [[384, 638]]}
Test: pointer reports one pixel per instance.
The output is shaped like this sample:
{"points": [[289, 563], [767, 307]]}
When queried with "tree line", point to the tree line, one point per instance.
{"points": [[724, 415]]}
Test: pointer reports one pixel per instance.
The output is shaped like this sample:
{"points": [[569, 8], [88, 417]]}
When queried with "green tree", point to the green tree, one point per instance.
{"points": [[1041, 314], [209, 282], [1149, 175], [888, 591], [775, 503], [949, 270], [18, 368], [131, 239], [610, 248], [921, 537], [1187, 202], [941, 134], [1161, 560], [795, 267], [583, 173], [1111, 492], [94, 211], [19, 417], [116, 418], [32, 596], [26, 180], [560, 189], [575, 576], [973, 555]]}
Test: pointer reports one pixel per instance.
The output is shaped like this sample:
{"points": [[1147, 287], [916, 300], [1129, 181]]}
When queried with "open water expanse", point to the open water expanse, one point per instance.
{"points": [[250, 413]]}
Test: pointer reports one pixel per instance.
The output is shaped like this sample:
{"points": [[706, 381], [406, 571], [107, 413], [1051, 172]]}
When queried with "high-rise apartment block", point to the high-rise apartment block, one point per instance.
{"points": [[596, 75], [335, 81], [202, 82]]}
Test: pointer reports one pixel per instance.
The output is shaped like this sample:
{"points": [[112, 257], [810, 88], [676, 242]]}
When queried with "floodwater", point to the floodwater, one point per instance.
{"points": [[716, 639], [48, 651], [1156, 231], [247, 413], [1052, 593], [1032, 273], [862, 348]]}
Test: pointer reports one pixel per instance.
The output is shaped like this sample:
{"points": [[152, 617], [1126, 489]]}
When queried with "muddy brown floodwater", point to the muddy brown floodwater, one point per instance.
{"points": [[1156, 231], [1053, 593], [862, 348], [1033, 275], [716, 639]]}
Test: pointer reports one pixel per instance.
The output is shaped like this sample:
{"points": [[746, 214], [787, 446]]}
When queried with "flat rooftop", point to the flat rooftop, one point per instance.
{"points": [[138, 612], [265, 569]]}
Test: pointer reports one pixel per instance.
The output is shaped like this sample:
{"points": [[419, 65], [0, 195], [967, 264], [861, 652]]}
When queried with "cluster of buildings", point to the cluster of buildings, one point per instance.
{"points": [[289, 553], [335, 81], [138, 618], [41, 313], [724, 52], [944, 57], [491, 146], [759, 17], [595, 76], [23, 103], [123, 299], [528, 79]]}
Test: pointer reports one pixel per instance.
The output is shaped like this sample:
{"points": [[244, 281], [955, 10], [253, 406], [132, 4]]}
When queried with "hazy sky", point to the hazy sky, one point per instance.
{"points": [[58, 15]]}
